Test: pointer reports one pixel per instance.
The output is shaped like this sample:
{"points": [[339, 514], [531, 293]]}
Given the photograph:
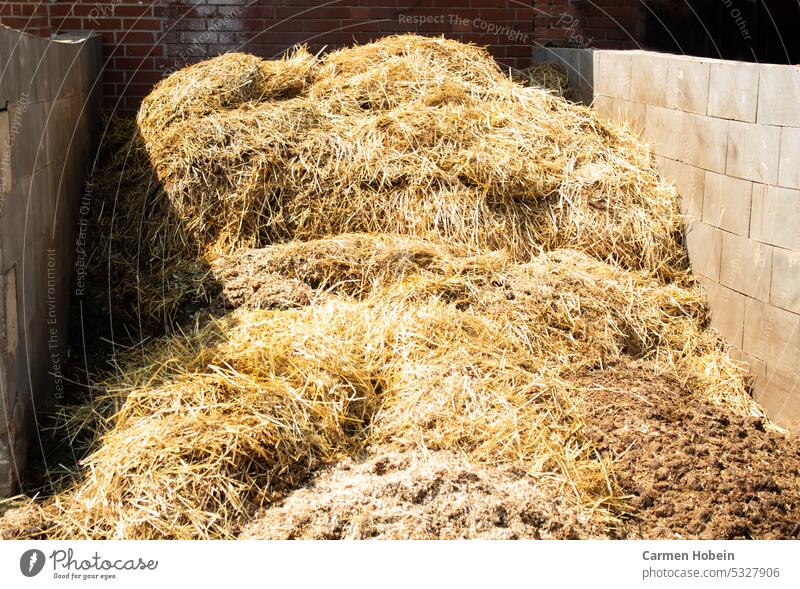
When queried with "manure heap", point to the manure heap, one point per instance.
{"points": [[439, 304]]}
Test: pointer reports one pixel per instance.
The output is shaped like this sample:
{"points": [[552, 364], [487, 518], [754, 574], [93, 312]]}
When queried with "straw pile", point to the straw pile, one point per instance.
{"points": [[403, 250], [549, 75], [404, 344], [409, 135]]}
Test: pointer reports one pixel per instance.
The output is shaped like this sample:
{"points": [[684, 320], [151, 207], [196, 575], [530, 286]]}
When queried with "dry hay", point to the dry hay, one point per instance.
{"points": [[404, 343], [409, 135], [223, 418], [594, 312], [407, 251], [549, 75]]}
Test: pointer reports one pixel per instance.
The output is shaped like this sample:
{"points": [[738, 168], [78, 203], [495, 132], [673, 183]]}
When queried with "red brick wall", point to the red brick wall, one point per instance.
{"points": [[25, 16], [144, 40], [605, 24]]}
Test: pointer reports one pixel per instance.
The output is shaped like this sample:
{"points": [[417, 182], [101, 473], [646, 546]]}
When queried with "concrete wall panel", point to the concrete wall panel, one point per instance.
{"points": [[687, 85], [754, 152], [730, 92], [779, 95], [48, 128]]}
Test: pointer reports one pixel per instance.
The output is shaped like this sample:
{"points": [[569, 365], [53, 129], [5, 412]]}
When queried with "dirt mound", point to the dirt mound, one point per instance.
{"points": [[422, 496], [23, 522], [693, 469]]}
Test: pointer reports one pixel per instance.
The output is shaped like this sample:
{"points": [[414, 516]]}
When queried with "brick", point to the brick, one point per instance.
{"points": [[687, 85], [142, 24], [779, 95], [295, 12], [523, 51], [144, 50], [780, 217], [135, 10], [107, 24], [134, 63], [232, 24], [497, 14], [649, 73], [612, 73], [664, 128], [753, 152], [785, 292], [727, 203], [246, 11], [136, 37], [705, 248], [75, 24], [746, 266], [770, 334], [190, 37], [146, 77], [727, 312], [789, 166], [370, 26], [732, 91], [192, 24], [703, 142]]}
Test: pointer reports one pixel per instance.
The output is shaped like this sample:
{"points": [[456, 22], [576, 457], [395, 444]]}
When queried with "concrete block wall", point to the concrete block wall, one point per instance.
{"points": [[49, 108], [728, 135]]}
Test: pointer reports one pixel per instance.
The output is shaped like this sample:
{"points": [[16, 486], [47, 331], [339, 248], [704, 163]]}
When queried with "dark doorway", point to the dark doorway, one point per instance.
{"points": [[747, 30]]}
